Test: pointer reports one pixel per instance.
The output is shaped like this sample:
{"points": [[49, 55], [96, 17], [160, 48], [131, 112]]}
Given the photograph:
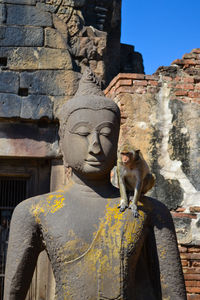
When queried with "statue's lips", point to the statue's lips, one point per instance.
{"points": [[94, 162]]}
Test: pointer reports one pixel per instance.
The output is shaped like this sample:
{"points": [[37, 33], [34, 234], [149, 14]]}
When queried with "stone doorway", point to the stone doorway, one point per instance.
{"points": [[19, 180]]}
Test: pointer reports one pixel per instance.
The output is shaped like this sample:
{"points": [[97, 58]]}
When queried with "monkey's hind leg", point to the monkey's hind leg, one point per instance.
{"points": [[123, 205], [133, 206], [148, 183]]}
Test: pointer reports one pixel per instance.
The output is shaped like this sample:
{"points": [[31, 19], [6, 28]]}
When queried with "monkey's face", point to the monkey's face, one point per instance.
{"points": [[126, 157], [90, 141]]}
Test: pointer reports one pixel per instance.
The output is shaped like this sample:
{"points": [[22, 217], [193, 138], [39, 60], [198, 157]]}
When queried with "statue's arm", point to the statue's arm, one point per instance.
{"points": [[172, 280], [23, 250]]}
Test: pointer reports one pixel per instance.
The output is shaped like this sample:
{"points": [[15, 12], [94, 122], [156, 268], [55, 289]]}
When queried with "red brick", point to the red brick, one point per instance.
{"points": [[140, 82], [182, 249], [194, 94], [195, 209], [193, 297], [124, 89], [188, 79], [197, 50], [177, 78], [178, 62], [152, 77], [181, 93], [153, 82], [111, 93], [123, 82], [193, 256], [192, 276], [191, 270], [192, 283], [183, 215], [185, 86], [189, 55], [180, 209], [196, 263], [194, 250], [167, 78], [137, 76], [193, 289], [189, 61], [184, 263]]}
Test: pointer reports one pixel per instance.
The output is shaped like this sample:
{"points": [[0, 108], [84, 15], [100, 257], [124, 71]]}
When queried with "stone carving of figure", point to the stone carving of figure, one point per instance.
{"points": [[92, 33], [96, 252]]}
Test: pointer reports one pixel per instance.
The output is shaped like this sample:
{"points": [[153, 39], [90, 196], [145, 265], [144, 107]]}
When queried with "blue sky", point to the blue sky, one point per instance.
{"points": [[161, 30]]}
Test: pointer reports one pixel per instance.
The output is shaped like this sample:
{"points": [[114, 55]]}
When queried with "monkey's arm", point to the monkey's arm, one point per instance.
{"points": [[122, 187], [23, 250]]}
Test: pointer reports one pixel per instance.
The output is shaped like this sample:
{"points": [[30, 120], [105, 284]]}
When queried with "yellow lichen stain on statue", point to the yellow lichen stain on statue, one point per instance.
{"points": [[102, 260], [162, 251], [51, 204]]}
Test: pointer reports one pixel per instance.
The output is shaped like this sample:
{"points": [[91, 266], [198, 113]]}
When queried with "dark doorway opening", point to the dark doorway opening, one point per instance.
{"points": [[19, 180], [13, 190]]}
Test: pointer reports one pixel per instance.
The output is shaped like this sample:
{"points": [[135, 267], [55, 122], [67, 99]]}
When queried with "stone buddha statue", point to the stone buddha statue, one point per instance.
{"points": [[96, 252]]}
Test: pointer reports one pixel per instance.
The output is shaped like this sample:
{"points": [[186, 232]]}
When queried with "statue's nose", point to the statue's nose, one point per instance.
{"points": [[94, 144]]}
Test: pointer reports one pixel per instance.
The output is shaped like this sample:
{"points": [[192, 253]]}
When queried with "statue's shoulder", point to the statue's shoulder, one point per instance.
{"points": [[160, 214], [42, 204]]}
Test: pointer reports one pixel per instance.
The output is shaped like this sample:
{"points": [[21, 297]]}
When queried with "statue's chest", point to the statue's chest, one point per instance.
{"points": [[71, 230], [82, 231]]}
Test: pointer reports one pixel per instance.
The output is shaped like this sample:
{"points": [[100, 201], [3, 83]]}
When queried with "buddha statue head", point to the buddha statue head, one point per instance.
{"points": [[89, 130]]}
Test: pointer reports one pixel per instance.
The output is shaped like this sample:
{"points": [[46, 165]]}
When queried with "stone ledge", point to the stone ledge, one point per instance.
{"points": [[21, 36], [28, 140], [9, 82], [31, 107], [54, 83], [22, 2], [28, 58], [27, 15]]}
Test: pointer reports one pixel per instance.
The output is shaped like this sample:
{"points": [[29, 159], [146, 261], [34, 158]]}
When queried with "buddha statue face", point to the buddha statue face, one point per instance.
{"points": [[89, 142]]}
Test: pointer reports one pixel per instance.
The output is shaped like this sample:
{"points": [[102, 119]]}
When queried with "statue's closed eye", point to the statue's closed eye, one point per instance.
{"points": [[81, 130], [105, 131]]}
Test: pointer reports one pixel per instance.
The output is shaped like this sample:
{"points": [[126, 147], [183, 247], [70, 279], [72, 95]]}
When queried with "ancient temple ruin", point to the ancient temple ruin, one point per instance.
{"points": [[45, 46]]}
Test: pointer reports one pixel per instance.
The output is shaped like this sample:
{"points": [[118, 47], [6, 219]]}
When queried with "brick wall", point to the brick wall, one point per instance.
{"points": [[190, 257], [161, 116]]}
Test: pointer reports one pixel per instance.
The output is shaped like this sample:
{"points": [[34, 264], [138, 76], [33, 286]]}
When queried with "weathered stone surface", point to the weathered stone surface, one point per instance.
{"points": [[36, 107], [46, 7], [183, 230], [168, 191], [54, 83], [28, 58], [10, 106], [21, 36], [58, 101], [27, 15], [54, 39], [184, 142], [2, 13], [28, 140], [29, 2], [31, 107], [9, 82]]}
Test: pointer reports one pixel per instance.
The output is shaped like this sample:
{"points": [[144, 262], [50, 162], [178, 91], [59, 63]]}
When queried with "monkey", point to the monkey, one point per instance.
{"points": [[134, 177]]}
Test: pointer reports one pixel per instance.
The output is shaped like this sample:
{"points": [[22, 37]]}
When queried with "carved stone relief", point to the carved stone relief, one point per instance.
{"points": [[92, 32]]}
